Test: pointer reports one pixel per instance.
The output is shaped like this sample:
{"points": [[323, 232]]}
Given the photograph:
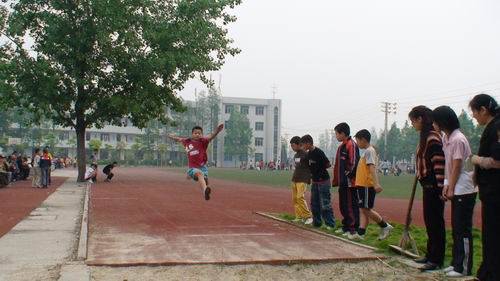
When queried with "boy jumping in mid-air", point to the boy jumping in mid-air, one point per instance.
{"points": [[196, 149], [368, 185]]}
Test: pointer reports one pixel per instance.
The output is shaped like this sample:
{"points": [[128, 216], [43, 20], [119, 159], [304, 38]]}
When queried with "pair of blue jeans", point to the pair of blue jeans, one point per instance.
{"points": [[321, 205], [45, 176]]}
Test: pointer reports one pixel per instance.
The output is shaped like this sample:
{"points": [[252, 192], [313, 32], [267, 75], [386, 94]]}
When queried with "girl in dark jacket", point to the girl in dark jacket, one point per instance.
{"points": [[487, 113]]}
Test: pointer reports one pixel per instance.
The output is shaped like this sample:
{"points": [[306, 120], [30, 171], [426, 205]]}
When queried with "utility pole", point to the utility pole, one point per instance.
{"points": [[387, 108], [274, 91]]}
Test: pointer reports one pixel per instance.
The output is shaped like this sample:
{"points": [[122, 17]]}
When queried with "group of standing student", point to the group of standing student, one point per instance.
{"points": [[356, 176], [442, 156]]}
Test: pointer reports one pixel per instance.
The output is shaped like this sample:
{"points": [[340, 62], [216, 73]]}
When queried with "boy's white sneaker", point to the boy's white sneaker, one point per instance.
{"points": [[384, 232], [355, 236], [308, 221], [297, 220], [448, 269], [329, 228], [454, 274], [339, 231]]}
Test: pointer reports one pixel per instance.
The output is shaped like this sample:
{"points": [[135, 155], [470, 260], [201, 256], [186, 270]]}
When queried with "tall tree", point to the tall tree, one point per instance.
{"points": [[95, 62], [238, 140], [472, 132]]}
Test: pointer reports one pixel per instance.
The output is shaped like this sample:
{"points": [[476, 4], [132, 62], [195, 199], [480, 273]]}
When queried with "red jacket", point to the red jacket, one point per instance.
{"points": [[346, 162]]}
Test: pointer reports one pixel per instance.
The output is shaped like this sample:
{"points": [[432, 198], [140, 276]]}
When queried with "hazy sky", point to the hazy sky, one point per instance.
{"points": [[335, 61]]}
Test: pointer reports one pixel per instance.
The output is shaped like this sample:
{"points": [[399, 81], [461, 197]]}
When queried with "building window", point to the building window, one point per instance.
{"points": [[227, 125], [259, 141], [64, 136], [105, 137], [244, 109], [130, 138], [259, 110], [243, 158], [259, 126], [259, 157], [87, 136], [118, 137], [229, 109], [228, 157]]}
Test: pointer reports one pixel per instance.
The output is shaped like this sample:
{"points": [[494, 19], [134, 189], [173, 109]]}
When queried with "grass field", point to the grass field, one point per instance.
{"points": [[418, 233], [394, 187]]}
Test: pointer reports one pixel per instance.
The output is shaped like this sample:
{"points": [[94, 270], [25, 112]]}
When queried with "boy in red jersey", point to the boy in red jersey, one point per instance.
{"points": [[196, 149]]}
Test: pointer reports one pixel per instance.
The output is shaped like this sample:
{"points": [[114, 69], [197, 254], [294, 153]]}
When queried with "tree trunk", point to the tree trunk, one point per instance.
{"points": [[80, 151]]}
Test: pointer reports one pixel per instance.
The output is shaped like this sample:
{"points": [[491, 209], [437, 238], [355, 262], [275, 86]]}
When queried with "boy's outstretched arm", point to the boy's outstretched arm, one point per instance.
{"points": [[219, 129], [175, 138]]}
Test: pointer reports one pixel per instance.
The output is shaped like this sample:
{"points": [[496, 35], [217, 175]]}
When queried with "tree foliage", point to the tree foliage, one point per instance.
{"points": [[238, 139], [95, 62]]}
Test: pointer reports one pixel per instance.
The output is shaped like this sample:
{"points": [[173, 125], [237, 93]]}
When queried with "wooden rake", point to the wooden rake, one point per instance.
{"points": [[407, 245]]}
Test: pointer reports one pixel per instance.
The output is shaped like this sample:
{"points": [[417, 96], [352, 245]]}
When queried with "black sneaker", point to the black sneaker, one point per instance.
{"points": [[207, 193], [430, 267], [421, 260]]}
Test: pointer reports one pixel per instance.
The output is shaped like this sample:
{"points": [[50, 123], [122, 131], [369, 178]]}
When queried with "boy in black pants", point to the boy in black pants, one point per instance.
{"points": [[108, 171], [321, 204], [344, 176]]}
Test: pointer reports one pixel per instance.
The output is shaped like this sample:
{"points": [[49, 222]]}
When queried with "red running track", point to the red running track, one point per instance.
{"points": [[149, 217], [18, 200]]}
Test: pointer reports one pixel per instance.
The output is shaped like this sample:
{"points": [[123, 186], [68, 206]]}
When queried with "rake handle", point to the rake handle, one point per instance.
{"points": [[410, 204]]}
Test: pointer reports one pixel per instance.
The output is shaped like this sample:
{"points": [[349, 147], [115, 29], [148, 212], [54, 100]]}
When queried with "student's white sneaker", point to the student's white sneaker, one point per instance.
{"points": [[308, 221], [355, 236], [384, 232], [454, 274], [297, 220], [339, 231], [329, 228], [448, 269], [345, 234]]}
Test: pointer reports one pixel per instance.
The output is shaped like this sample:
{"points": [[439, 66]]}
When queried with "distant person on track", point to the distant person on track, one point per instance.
{"points": [[321, 204], [367, 186], [4, 172], [196, 148], [300, 180], [344, 176], [45, 166], [91, 174], [458, 188], [108, 171], [37, 171]]}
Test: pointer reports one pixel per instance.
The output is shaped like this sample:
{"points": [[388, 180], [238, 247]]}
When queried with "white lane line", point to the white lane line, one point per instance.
{"points": [[231, 235]]}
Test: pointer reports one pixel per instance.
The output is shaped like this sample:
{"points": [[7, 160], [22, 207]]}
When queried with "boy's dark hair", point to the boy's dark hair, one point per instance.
{"points": [[295, 140], [115, 163], [446, 118], [197, 128], [307, 139], [487, 101], [93, 166], [37, 150], [364, 134], [343, 128]]}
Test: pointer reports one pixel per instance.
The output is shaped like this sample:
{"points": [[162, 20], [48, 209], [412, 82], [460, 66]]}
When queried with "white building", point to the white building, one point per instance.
{"points": [[265, 120], [264, 116]]}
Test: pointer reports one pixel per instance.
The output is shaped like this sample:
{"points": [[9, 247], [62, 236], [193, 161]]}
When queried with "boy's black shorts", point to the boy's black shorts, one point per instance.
{"points": [[366, 197]]}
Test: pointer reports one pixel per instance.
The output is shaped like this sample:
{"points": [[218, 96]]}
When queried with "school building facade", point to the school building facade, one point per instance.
{"points": [[265, 120], [264, 116]]}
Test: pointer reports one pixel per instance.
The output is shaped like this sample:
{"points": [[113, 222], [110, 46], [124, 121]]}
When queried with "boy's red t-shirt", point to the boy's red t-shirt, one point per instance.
{"points": [[196, 151]]}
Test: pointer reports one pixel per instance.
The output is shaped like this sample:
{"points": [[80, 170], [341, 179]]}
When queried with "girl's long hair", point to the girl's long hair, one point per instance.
{"points": [[426, 114]]}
